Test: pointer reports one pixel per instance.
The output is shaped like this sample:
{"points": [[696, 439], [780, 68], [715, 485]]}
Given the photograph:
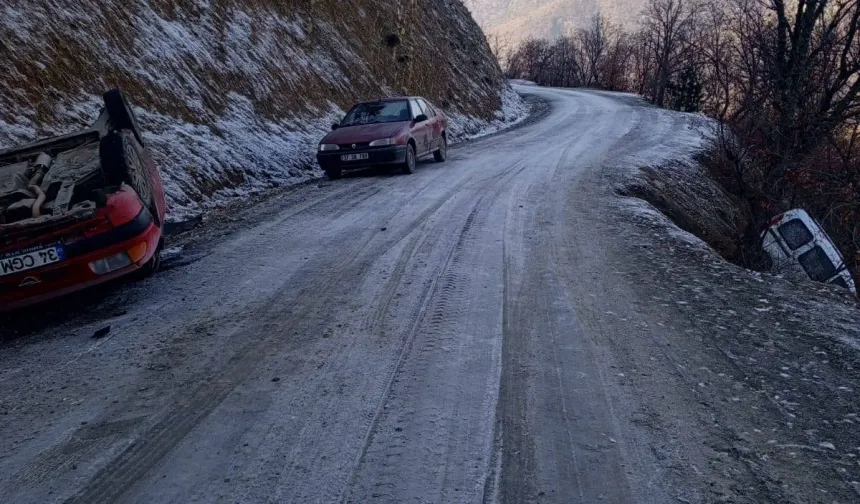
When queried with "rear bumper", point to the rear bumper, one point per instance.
{"points": [[379, 156], [73, 274]]}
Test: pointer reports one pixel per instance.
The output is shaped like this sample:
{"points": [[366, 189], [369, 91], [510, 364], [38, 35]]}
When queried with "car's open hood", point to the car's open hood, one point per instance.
{"points": [[364, 132]]}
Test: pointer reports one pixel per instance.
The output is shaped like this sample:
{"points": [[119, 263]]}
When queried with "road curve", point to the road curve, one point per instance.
{"points": [[439, 337]]}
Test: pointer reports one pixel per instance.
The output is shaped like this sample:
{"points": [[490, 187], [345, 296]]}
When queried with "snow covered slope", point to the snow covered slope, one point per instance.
{"points": [[234, 94]]}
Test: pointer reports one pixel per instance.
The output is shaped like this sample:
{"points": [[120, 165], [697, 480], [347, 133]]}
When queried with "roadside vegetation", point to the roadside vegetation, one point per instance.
{"points": [[780, 77]]}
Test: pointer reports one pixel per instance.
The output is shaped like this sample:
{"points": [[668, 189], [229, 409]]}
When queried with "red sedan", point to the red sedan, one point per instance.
{"points": [[79, 209], [394, 132]]}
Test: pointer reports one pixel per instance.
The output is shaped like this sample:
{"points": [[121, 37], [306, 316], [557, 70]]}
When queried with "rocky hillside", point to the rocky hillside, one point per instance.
{"points": [[515, 20], [234, 94]]}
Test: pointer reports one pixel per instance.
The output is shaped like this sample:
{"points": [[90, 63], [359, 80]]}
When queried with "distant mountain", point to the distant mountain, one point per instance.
{"points": [[515, 20]]}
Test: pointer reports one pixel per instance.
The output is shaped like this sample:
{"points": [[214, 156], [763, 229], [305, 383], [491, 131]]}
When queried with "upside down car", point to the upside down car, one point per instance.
{"points": [[79, 210]]}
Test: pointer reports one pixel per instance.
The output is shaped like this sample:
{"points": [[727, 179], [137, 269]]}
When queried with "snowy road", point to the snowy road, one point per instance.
{"points": [[458, 335]]}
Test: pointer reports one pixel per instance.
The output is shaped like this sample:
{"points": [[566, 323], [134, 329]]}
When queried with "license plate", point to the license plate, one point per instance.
{"points": [[30, 259], [355, 157]]}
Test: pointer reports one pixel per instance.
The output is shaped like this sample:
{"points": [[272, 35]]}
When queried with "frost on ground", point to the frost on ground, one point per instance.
{"points": [[240, 153], [235, 96], [775, 362], [464, 127], [672, 179], [667, 189]]}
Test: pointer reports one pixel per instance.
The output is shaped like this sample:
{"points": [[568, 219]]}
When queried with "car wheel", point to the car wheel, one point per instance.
{"points": [[121, 115], [121, 163], [442, 153], [333, 174], [409, 165]]}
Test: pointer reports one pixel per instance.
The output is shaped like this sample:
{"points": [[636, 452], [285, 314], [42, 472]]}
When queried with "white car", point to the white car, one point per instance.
{"points": [[798, 245]]}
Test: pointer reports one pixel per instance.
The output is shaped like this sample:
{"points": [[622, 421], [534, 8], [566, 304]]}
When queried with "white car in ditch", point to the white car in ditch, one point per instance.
{"points": [[798, 246]]}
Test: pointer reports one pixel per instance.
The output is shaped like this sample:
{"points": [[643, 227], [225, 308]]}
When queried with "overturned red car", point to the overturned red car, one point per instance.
{"points": [[78, 210]]}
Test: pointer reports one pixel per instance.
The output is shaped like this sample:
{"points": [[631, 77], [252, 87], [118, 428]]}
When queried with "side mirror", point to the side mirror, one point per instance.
{"points": [[335, 126], [421, 118]]}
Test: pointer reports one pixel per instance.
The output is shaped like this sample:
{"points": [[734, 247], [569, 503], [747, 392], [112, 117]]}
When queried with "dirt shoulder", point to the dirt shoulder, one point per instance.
{"points": [[775, 366]]}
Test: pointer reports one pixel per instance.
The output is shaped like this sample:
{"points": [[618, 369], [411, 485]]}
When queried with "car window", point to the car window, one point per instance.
{"points": [[427, 108], [377, 112], [416, 109], [795, 233], [840, 281], [817, 264]]}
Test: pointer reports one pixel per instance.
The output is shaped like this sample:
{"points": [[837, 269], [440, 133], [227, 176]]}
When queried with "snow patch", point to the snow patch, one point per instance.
{"points": [[179, 63], [239, 155], [644, 210], [462, 127]]}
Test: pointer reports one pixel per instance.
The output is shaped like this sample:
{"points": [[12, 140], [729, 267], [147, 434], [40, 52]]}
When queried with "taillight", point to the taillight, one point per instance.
{"points": [[776, 219]]}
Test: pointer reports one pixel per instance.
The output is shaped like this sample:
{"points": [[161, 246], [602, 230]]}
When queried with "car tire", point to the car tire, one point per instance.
{"points": [[441, 154], [120, 113], [333, 174], [409, 164], [121, 163]]}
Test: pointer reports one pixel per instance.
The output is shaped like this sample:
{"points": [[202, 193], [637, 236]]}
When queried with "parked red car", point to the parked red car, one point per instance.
{"points": [[79, 209], [392, 132]]}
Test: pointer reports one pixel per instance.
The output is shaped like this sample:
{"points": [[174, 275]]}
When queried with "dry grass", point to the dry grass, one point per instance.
{"points": [[99, 44]]}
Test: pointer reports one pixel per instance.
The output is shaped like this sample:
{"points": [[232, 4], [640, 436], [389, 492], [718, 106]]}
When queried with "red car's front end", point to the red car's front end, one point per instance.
{"points": [[393, 132]]}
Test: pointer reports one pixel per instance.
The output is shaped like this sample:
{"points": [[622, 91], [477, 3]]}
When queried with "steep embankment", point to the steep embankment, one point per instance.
{"points": [[234, 94]]}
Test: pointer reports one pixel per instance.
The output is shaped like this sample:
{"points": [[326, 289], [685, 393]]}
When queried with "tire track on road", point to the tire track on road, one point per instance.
{"points": [[134, 462], [444, 302]]}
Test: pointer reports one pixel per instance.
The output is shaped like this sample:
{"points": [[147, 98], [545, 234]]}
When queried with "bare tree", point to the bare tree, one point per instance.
{"points": [[715, 47], [594, 43], [667, 25], [615, 68], [500, 46], [531, 60], [567, 70], [813, 62]]}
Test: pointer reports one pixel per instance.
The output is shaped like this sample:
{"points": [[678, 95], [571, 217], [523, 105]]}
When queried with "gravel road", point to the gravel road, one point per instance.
{"points": [[481, 331]]}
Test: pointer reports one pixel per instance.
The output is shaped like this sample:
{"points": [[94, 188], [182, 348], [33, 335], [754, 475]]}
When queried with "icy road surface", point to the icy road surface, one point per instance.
{"points": [[461, 335]]}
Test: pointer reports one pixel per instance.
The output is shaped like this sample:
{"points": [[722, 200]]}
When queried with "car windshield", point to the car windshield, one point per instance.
{"points": [[377, 112]]}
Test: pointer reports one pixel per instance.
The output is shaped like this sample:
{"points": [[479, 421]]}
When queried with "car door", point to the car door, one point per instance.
{"points": [[435, 125], [420, 130]]}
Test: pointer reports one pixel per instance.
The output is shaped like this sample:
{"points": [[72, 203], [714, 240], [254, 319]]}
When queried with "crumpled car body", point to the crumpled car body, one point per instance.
{"points": [[79, 210]]}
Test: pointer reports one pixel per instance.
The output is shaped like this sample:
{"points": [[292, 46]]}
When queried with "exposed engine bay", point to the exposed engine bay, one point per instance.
{"points": [[63, 179]]}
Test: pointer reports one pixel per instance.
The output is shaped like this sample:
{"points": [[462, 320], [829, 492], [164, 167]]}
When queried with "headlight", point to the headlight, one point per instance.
{"points": [[328, 147], [382, 142]]}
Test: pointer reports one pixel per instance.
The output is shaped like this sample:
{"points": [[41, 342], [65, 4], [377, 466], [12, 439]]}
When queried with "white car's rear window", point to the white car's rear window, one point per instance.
{"points": [[818, 266], [795, 233]]}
